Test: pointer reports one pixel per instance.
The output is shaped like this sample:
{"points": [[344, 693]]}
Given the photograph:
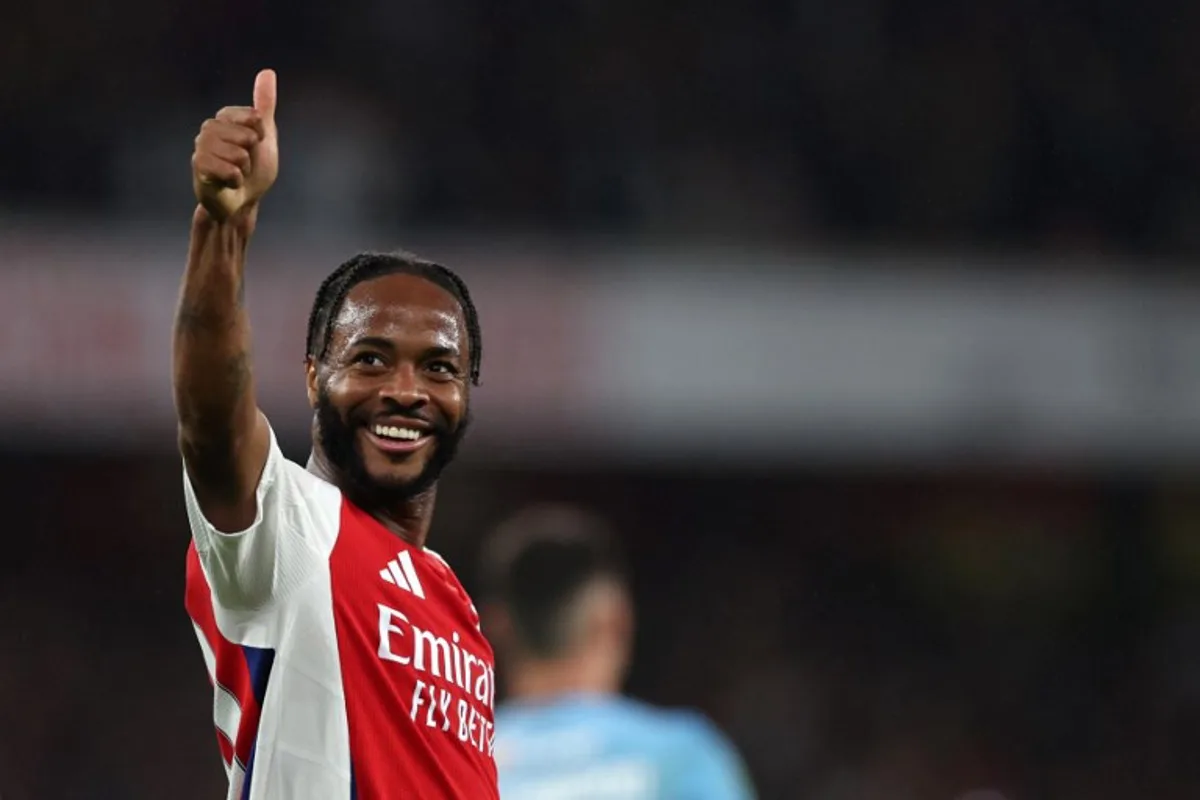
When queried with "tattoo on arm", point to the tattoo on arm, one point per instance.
{"points": [[237, 372]]}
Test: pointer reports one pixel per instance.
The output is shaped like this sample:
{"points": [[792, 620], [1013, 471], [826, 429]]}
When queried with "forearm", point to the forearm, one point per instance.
{"points": [[213, 381]]}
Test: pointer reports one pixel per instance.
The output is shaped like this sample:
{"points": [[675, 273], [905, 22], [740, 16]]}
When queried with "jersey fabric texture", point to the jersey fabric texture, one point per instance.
{"points": [[598, 747], [346, 664]]}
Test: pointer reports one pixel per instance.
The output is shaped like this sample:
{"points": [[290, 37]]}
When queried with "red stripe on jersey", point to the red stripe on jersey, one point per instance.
{"points": [[416, 670], [226, 748], [232, 670]]}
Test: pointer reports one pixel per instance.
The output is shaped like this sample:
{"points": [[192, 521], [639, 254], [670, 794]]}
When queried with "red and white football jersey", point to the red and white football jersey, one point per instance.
{"points": [[345, 662]]}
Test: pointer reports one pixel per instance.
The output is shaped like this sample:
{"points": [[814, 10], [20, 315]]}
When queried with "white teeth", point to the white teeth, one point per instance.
{"points": [[392, 432]]}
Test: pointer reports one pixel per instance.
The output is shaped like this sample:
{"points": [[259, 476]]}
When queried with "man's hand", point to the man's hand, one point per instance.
{"points": [[237, 153]]}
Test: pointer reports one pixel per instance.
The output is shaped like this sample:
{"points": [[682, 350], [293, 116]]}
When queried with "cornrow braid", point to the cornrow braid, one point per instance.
{"points": [[365, 266]]}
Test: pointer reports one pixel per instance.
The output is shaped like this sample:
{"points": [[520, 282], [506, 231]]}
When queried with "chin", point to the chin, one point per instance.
{"points": [[392, 476]]}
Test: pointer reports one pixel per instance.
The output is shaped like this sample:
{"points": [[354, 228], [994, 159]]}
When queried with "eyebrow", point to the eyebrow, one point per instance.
{"points": [[382, 343], [442, 352], [377, 342]]}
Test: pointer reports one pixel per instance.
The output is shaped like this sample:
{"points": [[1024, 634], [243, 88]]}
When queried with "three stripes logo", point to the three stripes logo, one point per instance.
{"points": [[400, 572]]}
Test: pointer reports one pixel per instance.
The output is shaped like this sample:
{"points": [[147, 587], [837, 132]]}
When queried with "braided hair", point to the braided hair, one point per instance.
{"points": [[365, 266]]}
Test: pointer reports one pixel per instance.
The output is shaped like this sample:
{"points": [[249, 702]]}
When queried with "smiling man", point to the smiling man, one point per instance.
{"points": [[346, 659]]}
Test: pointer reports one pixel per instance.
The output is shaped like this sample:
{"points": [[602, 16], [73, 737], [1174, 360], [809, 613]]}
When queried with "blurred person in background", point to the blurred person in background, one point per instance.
{"points": [[559, 610], [346, 659]]}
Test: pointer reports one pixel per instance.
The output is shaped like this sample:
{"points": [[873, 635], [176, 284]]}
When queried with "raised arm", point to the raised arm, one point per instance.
{"points": [[223, 437]]}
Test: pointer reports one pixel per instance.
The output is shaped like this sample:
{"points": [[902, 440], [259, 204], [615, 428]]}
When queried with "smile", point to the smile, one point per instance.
{"points": [[397, 439]]}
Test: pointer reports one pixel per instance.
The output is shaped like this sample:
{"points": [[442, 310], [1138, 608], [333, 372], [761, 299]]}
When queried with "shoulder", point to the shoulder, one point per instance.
{"points": [[695, 731], [302, 486], [296, 524], [440, 564], [696, 758], [442, 569], [294, 498], [286, 495], [617, 719], [683, 729], [703, 760]]}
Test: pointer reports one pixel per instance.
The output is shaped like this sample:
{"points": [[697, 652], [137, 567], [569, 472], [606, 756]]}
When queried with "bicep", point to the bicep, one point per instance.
{"points": [[288, 537]]}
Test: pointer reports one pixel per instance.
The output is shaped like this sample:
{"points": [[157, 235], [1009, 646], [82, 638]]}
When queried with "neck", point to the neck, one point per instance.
{"points": [[546, 679], [408, 518]]}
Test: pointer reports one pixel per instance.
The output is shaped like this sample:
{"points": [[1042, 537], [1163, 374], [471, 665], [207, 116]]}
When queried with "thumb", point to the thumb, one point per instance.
{"points": [[264, 96]]}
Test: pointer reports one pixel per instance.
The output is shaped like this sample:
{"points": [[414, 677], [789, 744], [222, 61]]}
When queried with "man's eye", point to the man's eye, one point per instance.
{"points": [[443, 367], [368, 360]]}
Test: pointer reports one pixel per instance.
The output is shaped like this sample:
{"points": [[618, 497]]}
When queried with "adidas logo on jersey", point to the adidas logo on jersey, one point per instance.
{"points": [[400, 572]]}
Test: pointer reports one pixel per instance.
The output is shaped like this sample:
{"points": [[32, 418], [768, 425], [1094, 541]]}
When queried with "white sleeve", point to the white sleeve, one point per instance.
{"points": [[295, 525]]}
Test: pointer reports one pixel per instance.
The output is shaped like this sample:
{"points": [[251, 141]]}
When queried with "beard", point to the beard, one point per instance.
{"points": [[336, 438]]}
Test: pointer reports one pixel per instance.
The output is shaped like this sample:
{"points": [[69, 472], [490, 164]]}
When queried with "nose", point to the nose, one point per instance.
{"points": [[405, 387]]}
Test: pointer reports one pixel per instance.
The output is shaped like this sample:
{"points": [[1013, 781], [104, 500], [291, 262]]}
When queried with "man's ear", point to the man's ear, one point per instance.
{"points": [[310, 380]]}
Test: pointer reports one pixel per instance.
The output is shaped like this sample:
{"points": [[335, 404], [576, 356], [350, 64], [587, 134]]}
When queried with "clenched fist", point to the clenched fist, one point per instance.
{"points": [[237, 153]]}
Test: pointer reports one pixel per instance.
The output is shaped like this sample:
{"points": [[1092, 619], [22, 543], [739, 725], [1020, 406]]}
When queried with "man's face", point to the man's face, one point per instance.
{"points": [[391, 392]]}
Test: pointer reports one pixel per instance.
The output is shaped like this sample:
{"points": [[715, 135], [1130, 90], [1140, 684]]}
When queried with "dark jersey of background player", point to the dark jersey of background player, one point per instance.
{"points": [[346, 660], [559, 611]]}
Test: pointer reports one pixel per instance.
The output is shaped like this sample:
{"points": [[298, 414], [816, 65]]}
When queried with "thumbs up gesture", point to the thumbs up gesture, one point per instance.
{"points": [[237, 153]]}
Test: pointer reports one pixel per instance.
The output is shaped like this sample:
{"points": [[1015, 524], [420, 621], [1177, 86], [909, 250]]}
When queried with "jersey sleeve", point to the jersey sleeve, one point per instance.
{"points": [[707, 765], [294, 527]]}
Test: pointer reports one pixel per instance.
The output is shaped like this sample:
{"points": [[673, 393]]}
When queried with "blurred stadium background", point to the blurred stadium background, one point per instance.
{"points": [[872, 325]]}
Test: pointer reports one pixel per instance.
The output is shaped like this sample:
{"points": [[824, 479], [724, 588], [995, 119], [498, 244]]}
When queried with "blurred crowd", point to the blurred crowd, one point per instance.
{"points": [[1061, 126]]}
